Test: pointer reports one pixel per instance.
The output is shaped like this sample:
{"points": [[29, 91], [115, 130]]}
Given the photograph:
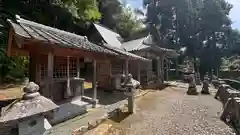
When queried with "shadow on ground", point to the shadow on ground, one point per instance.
{"points": [[106, 97]]}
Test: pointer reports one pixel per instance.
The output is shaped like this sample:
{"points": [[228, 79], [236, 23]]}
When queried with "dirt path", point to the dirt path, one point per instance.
{"points": [[172, 112]]}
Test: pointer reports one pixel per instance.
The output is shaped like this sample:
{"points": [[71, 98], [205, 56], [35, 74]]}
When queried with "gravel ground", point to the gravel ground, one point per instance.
{"points": [[172, 112]]}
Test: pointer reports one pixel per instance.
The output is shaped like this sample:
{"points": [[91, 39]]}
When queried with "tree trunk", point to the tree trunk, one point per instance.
{"points": [[194, 63]]}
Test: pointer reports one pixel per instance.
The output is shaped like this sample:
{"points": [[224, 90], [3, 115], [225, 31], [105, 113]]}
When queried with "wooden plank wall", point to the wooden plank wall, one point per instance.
{"points": [[106, 71], [103, 74]]}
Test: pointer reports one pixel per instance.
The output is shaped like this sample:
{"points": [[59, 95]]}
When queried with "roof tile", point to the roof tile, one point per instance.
{"points": [[29, 29]]}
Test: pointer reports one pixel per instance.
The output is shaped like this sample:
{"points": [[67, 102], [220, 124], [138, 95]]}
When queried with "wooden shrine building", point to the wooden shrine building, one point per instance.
{"points": [[112, 69], [152, 74], [55, 58]]}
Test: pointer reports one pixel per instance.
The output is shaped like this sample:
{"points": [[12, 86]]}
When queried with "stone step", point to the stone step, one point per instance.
{"points": [[69, 110]]}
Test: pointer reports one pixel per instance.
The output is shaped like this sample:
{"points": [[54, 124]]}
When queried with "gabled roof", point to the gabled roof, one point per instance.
{"points": [[126, 53], [109, 36], [32, 30], [146, 43], [135, 45], [112, 42]]}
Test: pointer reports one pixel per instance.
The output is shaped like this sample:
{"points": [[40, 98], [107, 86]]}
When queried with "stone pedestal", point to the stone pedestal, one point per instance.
{"points": [[34, 126], [130, 92], [131, 101], [94, 103], [192, 89], [205, 88]]}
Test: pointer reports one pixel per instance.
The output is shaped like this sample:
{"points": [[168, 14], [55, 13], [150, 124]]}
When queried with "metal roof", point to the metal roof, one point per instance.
{"points": [[126, 53], [112, 42], [33, 30], [135, 45], [110, 37], [146, 43]]}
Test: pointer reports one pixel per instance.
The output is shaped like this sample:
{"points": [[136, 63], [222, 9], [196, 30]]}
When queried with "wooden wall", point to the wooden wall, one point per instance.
{"points": [[103, 73], [106, 72]]}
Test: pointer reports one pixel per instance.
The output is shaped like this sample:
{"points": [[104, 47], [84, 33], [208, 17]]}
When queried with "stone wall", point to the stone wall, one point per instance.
{"points": [[229, 74]]}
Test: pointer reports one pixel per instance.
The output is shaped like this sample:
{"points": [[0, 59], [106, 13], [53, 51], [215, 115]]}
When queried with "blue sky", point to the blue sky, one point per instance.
{"points": [[234, 15]]}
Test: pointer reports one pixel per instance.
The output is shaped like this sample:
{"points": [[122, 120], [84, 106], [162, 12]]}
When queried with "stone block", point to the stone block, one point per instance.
{"points": [[80, 130], [34, 126], [231, 111], [69, 110], [92, 124], [192, 91]]}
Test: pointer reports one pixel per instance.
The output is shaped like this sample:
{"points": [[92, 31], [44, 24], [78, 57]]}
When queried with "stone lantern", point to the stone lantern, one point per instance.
{"points": [[130, 93], [28, 114], [192, 89]]}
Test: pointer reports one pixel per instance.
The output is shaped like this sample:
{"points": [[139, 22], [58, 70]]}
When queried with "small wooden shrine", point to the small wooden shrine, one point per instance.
{"points": [[56, 57], [111, 71], [154, 71]]}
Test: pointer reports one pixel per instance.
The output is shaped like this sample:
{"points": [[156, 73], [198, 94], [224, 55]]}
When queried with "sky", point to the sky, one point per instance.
{"points": [[234, 15]]}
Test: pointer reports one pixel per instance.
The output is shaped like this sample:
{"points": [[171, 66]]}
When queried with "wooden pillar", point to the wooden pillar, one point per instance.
{"points": [[32, 66], [167, 69], [158, 67], [10, 40], [78, 68], [126, 67], [162, 66], [94, 83], [68, 90], [38, 73], [139, 71], [177, 72], [50, 74]]}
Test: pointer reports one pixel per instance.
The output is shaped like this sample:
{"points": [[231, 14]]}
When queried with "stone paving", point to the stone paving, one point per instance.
{"points": [[173, 112], [103, 112]]}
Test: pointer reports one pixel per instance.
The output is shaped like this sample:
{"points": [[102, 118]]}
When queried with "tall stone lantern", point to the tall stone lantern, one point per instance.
{"points": [[29, 113]]}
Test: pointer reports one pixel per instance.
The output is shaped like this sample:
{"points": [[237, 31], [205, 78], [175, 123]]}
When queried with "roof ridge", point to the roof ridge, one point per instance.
{"points": [[107, 28], [28, 22], [142, 42]]}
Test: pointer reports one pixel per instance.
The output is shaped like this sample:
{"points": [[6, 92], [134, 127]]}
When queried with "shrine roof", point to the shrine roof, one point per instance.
{"points": [[113, 43], [144, 44], [126, 53], [32, 30]]}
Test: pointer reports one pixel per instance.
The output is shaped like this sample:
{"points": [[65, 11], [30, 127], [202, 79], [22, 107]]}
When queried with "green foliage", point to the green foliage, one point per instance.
{"points": [[119, 18], [231, 63], [69, 15], [86, 10], [127, 24], [15, 68], [202, 26]]}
